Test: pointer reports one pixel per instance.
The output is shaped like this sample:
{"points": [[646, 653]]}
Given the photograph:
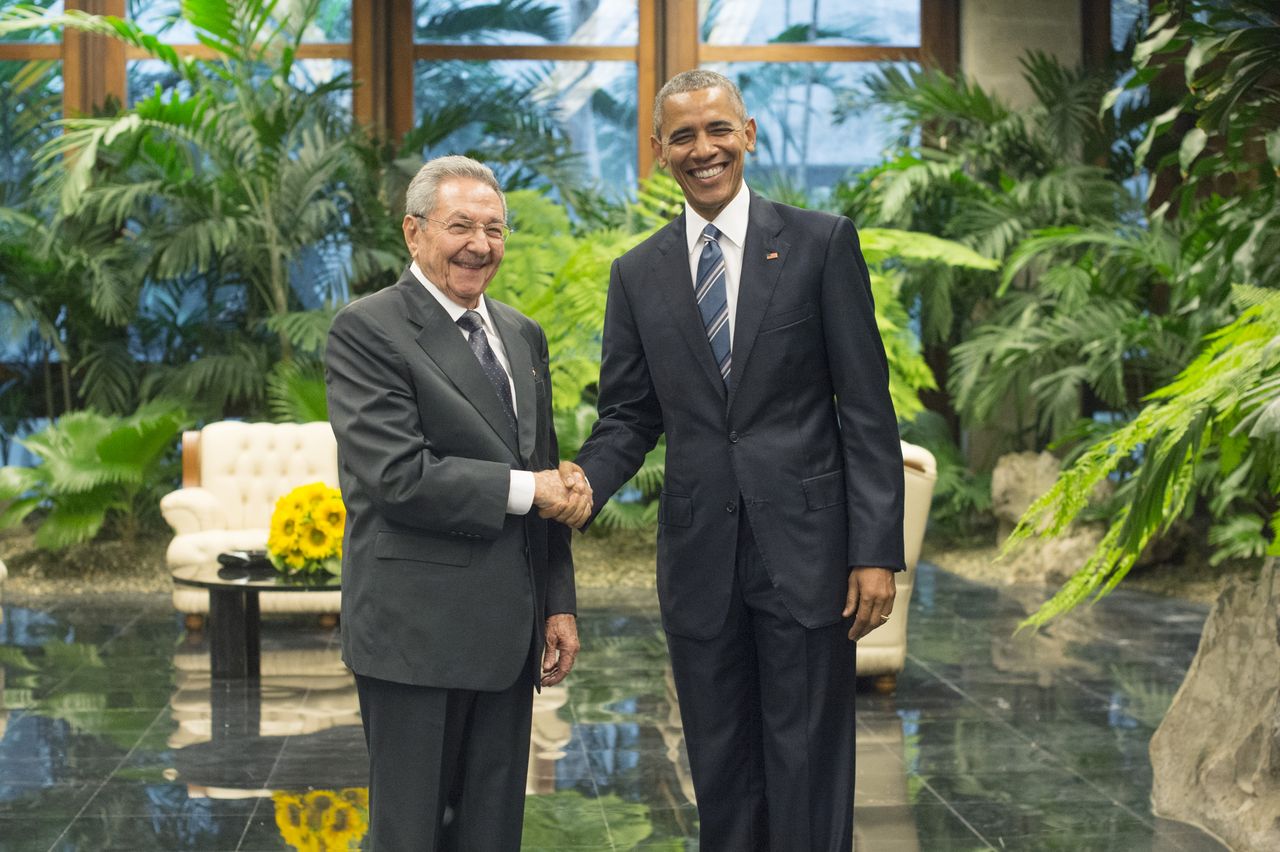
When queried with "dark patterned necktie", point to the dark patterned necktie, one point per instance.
{"points": [[713, 299], [474, 327]]}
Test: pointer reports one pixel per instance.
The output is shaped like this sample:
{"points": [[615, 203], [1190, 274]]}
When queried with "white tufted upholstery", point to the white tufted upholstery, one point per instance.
{"points": [[884, 651], [233, 473]]}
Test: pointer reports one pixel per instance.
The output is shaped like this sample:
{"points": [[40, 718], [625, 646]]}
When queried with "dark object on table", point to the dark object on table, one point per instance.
{"points": [[245, 565]]}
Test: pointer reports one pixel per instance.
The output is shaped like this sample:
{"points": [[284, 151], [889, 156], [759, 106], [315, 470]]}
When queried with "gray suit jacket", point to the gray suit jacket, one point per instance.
{"points": [[441, 587], [805, 437]]}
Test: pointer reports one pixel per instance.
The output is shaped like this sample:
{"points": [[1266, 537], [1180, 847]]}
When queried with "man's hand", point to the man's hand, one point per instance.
{"points": [[563, 495], [870, 599], [562, 648]]}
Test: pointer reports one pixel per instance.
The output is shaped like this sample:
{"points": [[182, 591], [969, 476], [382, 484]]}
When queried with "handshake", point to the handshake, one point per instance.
{"points": [[563, 495]]}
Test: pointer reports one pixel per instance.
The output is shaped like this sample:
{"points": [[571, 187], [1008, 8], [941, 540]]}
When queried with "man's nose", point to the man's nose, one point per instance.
{"points": [[702, 147], [477, 241]]}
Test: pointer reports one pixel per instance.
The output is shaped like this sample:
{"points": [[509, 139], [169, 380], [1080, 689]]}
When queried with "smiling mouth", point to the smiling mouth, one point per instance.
{"points": [[708, 172], [471, 263]]}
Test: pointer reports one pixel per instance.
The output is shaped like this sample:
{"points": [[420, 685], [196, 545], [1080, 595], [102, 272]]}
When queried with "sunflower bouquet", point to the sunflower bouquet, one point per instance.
{"points": [[306, 531]]}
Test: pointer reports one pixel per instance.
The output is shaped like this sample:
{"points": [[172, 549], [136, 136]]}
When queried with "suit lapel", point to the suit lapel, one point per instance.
{"points": [[444, 344], [519, 355], [676, 290], [763, 256]]}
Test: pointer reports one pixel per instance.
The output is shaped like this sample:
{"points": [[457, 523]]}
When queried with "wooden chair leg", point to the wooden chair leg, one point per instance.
{"points": [[328, 620], [885, 684], [194, 621]]}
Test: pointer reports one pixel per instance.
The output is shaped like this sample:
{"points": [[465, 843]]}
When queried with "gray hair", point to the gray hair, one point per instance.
{"points": [[695, 81], [420, 197]]}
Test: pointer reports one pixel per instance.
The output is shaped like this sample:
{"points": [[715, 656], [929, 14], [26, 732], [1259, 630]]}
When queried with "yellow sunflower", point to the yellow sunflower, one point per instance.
{"points": [[315, 541], [330, 515]]}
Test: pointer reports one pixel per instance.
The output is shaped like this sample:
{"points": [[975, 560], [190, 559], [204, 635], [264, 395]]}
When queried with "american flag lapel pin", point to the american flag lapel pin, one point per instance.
{"points": [[773, 255]]}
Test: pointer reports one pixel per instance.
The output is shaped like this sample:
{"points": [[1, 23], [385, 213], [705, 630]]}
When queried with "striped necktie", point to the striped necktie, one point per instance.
{"points": [[474, 327], [713, 299]]}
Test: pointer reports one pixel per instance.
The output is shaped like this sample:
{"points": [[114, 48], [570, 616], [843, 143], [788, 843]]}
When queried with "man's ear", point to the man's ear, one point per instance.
{"points": [[655, 145]]}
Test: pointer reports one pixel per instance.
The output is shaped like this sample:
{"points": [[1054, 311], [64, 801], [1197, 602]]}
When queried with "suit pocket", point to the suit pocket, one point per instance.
{"points": [[786, 319], [824, 491], [422, 548], [675, 510]]}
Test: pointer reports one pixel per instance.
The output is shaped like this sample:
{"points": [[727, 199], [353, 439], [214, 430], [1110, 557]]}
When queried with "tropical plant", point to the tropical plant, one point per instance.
{"points": [[95, 470], [1209, 441], [226, 201], [1213, 434], [976, 170]]}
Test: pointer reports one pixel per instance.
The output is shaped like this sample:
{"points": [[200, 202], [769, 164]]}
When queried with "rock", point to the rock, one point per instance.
{"points": [[1216, 755], [1018, 481], [1052, 561]]}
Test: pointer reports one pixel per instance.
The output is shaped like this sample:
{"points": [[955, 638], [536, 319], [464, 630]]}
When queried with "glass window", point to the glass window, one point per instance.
{"points": [[813, 122], [1125, 16], [848, 22], [587, 22], [145, 74], [161, 17], [525, 118], [41, 36]]}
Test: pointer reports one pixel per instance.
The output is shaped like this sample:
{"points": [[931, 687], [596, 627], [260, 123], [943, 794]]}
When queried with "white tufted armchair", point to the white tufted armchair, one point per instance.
{"points": [[232, 475], [883, 653]]}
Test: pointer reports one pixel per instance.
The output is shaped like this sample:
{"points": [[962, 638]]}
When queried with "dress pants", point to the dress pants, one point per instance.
{"points": [[768, 712], [447, 767]]}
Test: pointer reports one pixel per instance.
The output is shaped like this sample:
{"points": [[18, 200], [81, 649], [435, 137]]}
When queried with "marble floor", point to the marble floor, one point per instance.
{"points": [[113, 736]]}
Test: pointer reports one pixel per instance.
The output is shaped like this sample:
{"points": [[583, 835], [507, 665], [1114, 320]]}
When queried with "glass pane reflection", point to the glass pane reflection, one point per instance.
{"points": [[533, 121], [160, 17], [890, 22], [144, 75], [589, 22], [813, 123]]}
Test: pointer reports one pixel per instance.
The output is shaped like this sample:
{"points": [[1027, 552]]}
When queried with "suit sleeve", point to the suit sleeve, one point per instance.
{"points": [[630, 416], [868, 426], [561, 590], [374, 410]]}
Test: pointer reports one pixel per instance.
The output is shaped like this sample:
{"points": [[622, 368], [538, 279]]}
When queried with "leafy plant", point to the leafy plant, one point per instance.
{"points": [[95, 469], [1207, 441], [221, 204], [1220, 418]]}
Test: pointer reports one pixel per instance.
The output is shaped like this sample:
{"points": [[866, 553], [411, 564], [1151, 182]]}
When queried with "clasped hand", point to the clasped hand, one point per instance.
{"points": [[563, 495]]}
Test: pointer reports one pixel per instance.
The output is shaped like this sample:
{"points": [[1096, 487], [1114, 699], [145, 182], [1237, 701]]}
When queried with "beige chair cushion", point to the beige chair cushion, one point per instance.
{"points": [[884, 650]]}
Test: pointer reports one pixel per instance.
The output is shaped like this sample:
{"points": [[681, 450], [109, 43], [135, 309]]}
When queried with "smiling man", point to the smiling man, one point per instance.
{"points": [[744, 330], [457, 598]]}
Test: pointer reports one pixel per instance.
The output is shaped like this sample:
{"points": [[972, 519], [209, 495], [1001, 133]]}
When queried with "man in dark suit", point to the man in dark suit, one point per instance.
{"points": [[452, 588], [744, 330]]}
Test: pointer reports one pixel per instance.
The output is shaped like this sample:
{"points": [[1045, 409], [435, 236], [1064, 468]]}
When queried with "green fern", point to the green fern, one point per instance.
{"points": [[1180, 428]]}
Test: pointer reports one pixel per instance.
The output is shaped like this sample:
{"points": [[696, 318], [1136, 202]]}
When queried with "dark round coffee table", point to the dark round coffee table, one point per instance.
{"points": [[234, 642]]}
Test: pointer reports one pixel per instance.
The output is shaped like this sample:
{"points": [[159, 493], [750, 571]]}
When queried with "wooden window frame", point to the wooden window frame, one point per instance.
{"points": [[382, 51]]}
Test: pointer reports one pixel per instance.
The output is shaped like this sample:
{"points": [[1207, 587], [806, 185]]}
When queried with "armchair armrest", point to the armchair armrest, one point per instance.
{"points": [[190, 510]]}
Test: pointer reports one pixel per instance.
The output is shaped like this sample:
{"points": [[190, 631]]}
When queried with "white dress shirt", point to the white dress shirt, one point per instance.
{"points": [[732, 224], [520, 495]]}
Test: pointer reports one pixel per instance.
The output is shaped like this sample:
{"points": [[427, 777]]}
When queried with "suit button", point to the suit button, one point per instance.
{"points": [[731, 507], [733, 437]]}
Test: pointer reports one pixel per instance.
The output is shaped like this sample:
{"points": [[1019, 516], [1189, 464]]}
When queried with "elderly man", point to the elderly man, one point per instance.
{"points": [[458, 599], [744, 331]]}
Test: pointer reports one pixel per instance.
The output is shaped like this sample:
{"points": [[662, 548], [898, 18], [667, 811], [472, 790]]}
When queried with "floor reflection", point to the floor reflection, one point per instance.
{"points": [[113, 735]]}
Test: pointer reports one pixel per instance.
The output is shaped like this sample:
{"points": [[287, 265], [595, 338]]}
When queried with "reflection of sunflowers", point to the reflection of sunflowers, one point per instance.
{"points": [[323, 820], [306, 530]]}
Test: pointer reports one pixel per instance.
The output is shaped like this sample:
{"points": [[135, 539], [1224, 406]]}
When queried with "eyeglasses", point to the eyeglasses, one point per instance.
{"points": [[685, 136], [496, 232]]}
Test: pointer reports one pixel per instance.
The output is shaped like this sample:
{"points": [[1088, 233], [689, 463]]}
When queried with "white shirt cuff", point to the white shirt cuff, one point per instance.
{"points": [[520, 497]]}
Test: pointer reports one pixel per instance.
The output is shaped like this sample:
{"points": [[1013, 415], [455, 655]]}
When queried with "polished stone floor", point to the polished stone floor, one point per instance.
{"points": [[112, 735]]}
